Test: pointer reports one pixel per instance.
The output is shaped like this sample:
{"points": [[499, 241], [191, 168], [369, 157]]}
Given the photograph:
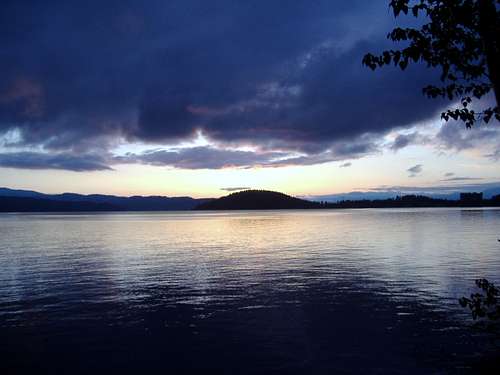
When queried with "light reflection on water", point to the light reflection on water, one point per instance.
{"points": [[346, 290]]}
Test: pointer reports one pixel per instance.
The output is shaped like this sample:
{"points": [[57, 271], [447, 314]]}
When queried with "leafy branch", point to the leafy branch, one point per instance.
{"points": [[462, 39]]}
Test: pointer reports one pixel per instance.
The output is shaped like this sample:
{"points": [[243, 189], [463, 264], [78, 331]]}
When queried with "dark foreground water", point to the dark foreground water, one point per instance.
{"points": [[354, 291]]}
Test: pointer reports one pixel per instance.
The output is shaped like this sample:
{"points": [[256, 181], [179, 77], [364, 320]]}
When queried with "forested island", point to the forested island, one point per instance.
{"points": [[258, 200]]}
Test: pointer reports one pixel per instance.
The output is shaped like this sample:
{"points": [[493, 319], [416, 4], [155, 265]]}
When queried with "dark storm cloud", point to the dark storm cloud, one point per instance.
{"points": [[283, 76], [415, 170], [36, 160]]}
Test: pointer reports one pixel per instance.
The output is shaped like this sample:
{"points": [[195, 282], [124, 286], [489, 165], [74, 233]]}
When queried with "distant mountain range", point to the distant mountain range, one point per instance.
{"points": [[27, 200], [27, 204]]}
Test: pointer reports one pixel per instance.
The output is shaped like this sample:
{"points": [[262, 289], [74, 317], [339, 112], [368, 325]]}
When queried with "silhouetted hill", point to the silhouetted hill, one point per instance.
{"points": [[257, 200], [134, 203]]}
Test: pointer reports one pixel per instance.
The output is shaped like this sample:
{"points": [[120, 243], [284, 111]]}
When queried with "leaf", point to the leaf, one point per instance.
{"points": [[387, 57]]}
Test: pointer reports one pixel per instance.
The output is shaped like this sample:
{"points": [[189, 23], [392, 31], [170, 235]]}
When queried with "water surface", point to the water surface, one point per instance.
{"points": [[322, 291]]}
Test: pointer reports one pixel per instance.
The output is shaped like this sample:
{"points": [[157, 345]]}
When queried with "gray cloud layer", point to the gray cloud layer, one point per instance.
{"points": [[231, 189], [202, 157], [404, 140], [208, 157], [35, 160], [462, 179]]}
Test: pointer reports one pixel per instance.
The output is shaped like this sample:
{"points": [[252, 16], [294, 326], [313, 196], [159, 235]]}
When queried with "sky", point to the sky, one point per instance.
{"points": [[202, 98]]}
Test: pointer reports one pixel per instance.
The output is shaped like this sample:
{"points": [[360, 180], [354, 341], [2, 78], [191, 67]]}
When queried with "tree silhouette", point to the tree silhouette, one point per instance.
{"points": [[462, 38]]}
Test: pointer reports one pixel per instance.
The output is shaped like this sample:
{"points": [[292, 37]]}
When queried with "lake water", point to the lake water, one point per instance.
{"points": [[320, 291]]}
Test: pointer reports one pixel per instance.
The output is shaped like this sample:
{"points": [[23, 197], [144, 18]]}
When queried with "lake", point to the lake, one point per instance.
{"points": [[317, 291]]}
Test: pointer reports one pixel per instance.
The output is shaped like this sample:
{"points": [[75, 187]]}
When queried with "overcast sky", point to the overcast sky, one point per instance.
{"points": [[204, 97]]}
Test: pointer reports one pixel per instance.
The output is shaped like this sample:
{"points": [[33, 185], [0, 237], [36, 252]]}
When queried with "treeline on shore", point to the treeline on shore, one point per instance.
{"points": [[262, 199], [243, 200], [408, 201]]}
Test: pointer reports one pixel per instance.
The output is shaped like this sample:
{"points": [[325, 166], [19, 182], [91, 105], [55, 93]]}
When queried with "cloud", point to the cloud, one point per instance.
{"points": [[86, 77], [415, 170], [25, 95], [495, 155], [37, 160], [449, 174], [209, 157], [453, 136], [404, 140], [462, 179], [235, 188], [345, 165], [202, 158]]}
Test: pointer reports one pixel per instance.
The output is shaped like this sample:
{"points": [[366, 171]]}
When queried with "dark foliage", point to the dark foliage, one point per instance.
{"points": [[408, 201], [462, 38], [485, 304]]}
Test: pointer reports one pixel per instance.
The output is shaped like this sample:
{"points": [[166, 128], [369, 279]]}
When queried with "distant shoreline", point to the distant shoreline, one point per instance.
{"points": [[344, 205], [33, 202], [233, 210]]}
